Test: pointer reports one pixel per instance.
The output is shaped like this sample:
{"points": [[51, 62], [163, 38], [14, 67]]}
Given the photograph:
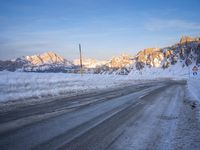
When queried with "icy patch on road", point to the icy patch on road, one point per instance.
{"points": [[21, 85]]}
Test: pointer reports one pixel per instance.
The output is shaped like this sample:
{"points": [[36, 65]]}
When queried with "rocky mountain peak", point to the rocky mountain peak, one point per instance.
{"points": [[186, 39], [120, 61], [45, 58]]}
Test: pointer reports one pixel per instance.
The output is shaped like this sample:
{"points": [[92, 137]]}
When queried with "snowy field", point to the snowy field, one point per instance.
{"points": [[21, 85]]}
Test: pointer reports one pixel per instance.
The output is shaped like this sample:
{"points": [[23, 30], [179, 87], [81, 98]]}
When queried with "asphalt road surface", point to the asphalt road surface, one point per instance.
{"points": [[152, 115]]}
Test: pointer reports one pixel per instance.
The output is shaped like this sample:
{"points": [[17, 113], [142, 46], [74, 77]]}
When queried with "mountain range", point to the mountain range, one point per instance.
{"points": [[184, 52]]}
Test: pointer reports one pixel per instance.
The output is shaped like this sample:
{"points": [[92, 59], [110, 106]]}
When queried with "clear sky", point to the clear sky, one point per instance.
{"points": [[104, 27]]}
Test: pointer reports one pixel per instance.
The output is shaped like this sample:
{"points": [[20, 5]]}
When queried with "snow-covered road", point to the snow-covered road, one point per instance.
{"points": [[154, 115]]}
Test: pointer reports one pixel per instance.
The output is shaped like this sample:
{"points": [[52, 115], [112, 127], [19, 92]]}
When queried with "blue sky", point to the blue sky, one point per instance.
{"points": [[104, 27]]}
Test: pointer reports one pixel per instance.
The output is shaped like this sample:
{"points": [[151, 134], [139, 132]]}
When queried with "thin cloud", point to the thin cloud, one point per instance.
{"points": [[161, 24]]}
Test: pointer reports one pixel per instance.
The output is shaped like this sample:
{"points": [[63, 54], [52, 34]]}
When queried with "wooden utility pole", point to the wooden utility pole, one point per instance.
{"points": [[81, 64]]}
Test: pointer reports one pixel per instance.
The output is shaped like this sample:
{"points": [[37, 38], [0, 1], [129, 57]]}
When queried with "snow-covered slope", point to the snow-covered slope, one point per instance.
{"points": [[184, 52], [175, 60]]}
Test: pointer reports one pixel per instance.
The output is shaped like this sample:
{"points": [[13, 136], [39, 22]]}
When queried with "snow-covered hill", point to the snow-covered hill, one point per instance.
{"points": [[178, 59], [186, 52]]}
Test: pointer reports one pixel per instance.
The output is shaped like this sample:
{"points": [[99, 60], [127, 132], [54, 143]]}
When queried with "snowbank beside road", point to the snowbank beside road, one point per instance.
{"points": [[21, 85], [193, 93], [193, 87]]}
